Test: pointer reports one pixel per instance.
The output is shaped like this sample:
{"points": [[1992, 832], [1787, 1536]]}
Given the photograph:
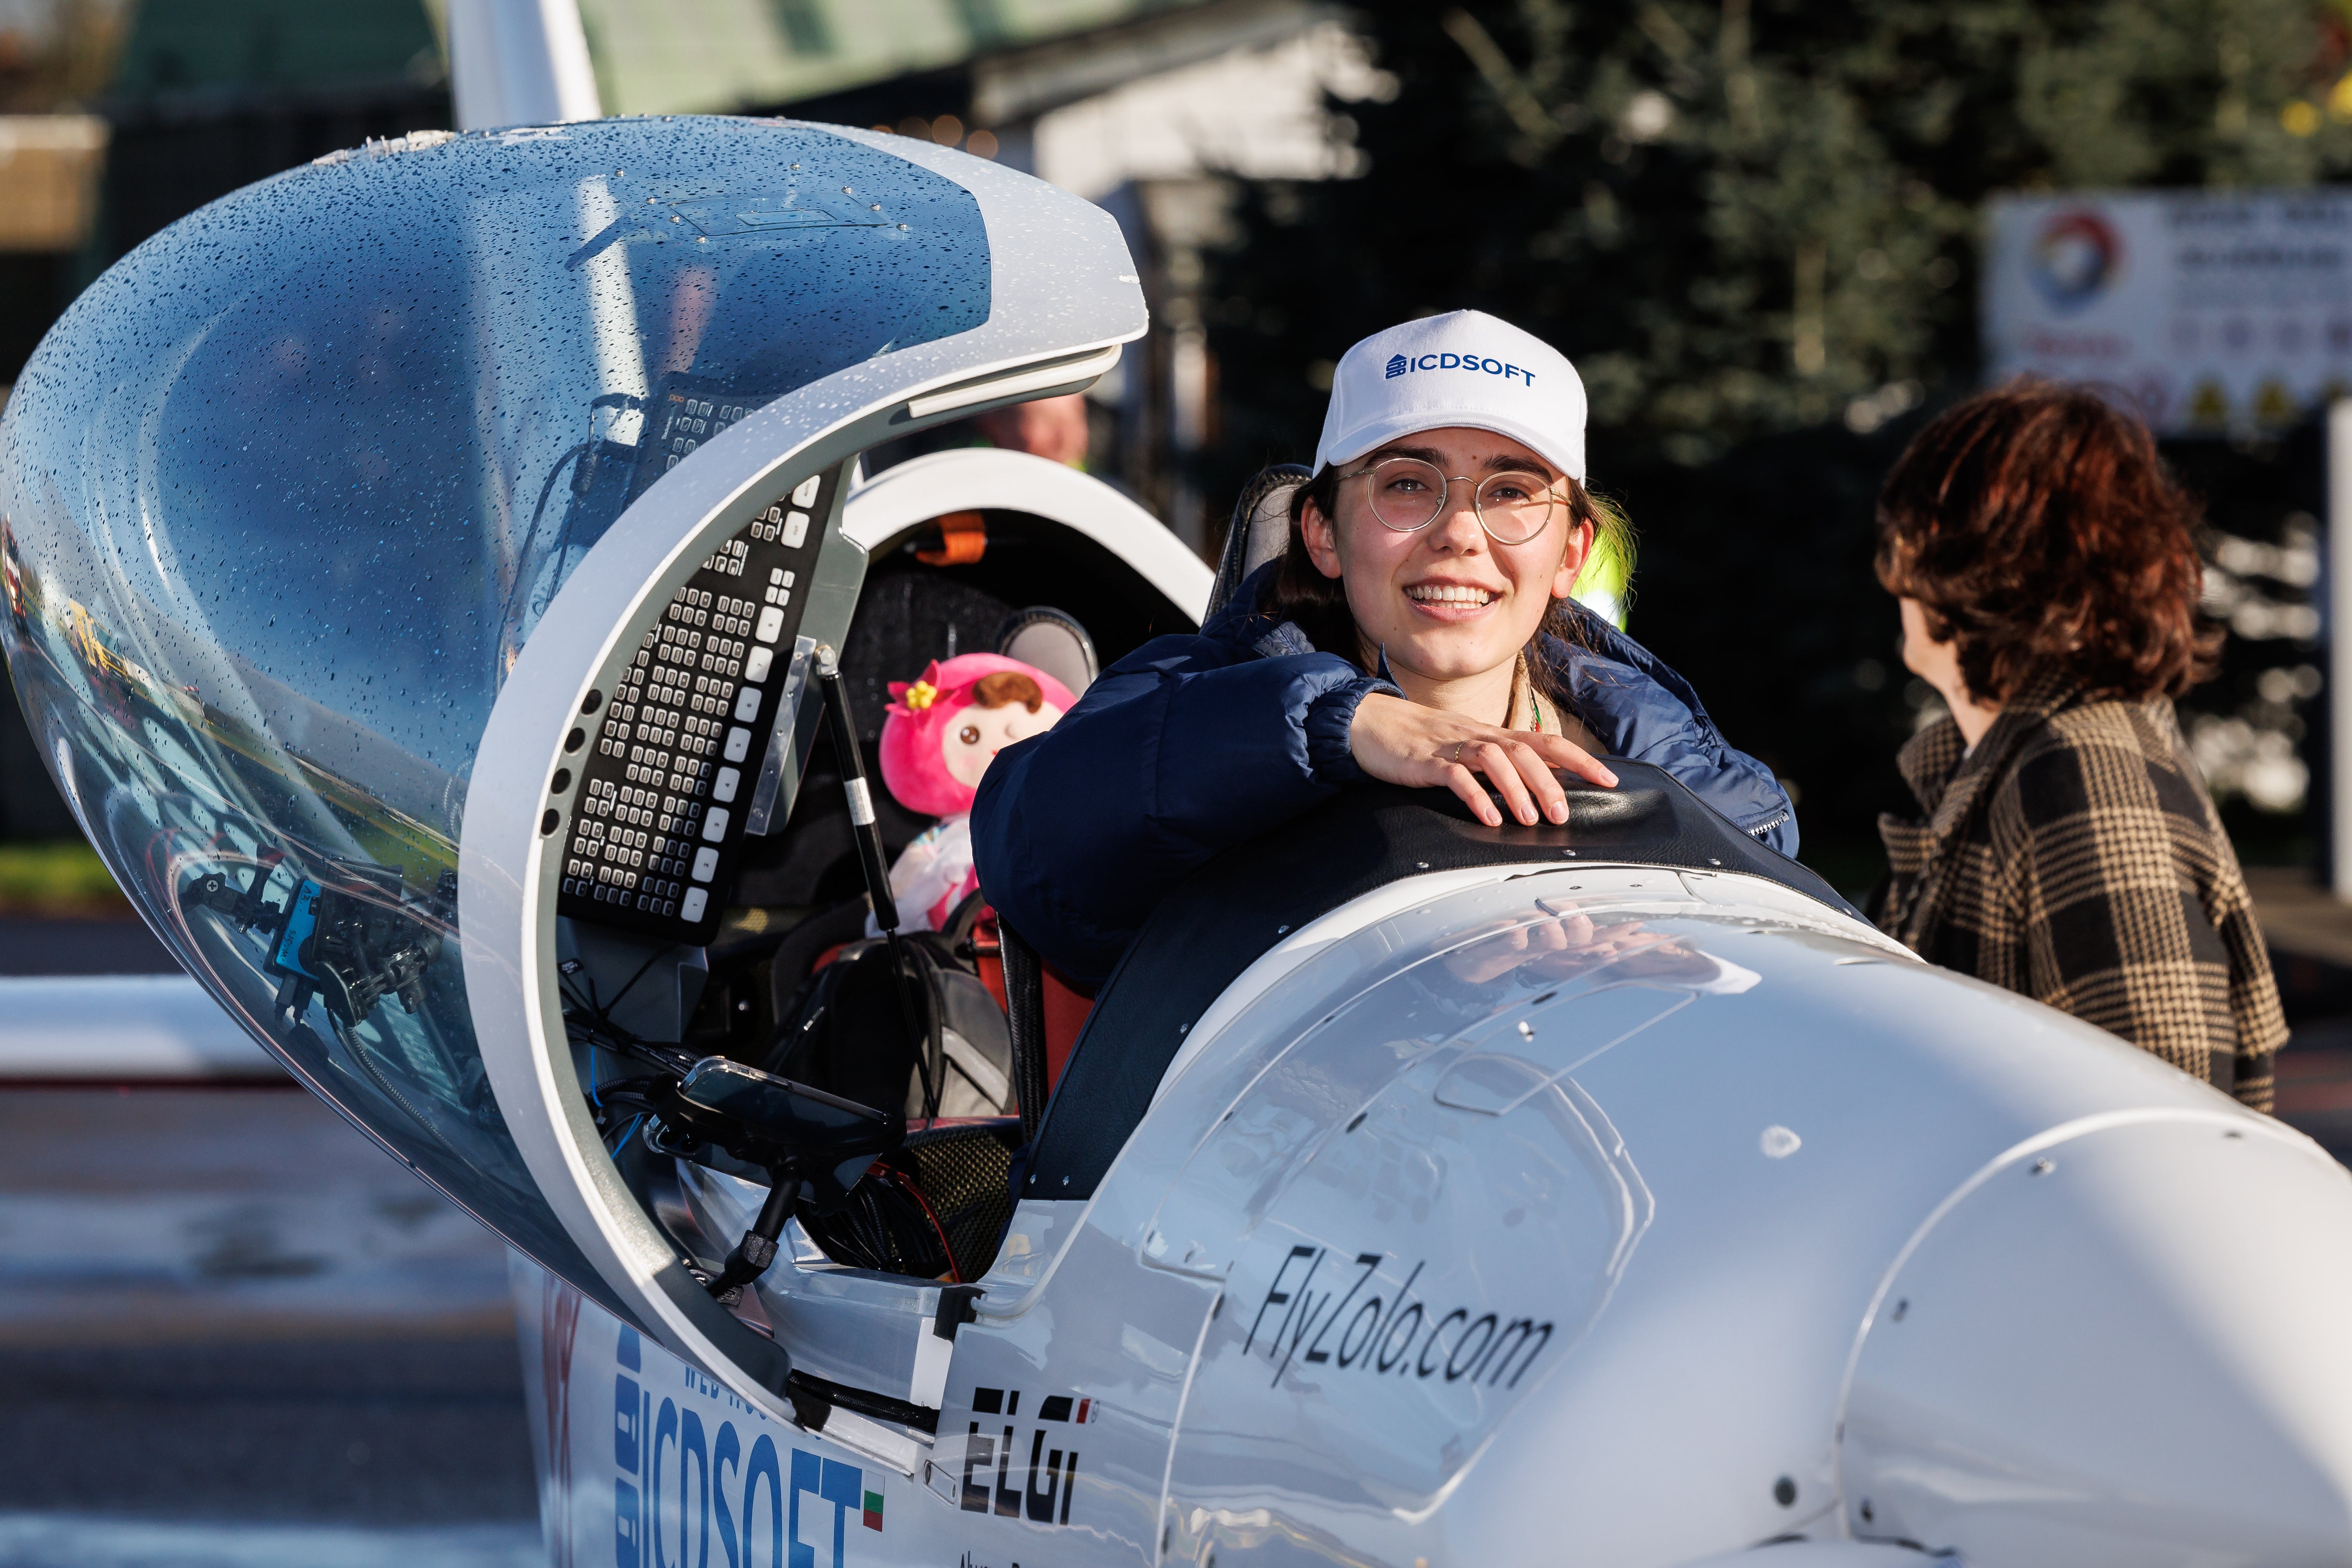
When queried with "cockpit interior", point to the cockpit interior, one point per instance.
{"points": [[792, 982]]}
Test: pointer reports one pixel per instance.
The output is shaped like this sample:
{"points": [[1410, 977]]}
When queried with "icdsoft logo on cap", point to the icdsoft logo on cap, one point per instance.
{"points": [[1466, 369], [1399, 365]]}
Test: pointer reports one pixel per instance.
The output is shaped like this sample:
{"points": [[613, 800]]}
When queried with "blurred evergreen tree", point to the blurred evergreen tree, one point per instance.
{"points": [[1752, 224]]}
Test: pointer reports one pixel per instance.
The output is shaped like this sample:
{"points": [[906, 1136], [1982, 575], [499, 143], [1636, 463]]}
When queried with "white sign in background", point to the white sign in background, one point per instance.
{"points": [[2210, 312], [2214, 313]]}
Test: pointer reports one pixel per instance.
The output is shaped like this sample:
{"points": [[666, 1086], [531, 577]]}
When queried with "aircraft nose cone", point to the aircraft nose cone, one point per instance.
{"points": [[2130, 1344]]}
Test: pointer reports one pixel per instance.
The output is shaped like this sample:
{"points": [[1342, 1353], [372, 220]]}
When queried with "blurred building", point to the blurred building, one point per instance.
{"points": [[49, 166], [49, 170], [142, 111], [1150, 107], [207, 95], [117, 118], [1153, 108]]}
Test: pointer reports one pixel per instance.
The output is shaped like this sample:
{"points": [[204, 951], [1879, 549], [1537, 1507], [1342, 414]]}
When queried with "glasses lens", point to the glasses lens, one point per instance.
{"points": [[1515, 508], [1406, 493]]}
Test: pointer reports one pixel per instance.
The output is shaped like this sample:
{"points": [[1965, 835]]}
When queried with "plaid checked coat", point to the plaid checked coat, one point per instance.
{"points": [[2074, 857]]}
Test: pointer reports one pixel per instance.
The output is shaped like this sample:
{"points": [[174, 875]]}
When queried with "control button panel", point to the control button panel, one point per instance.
{"points": [[657, 826]]}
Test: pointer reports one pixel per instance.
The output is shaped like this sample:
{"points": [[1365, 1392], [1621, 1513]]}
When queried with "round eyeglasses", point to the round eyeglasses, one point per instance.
{"points": [[1408, 494]]}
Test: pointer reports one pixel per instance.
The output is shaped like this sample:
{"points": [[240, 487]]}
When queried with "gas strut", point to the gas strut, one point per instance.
{"points": [[869, 858]]}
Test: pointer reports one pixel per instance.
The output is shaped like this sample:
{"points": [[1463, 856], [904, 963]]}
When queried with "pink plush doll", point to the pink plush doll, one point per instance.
{"points": [[942, 734]]}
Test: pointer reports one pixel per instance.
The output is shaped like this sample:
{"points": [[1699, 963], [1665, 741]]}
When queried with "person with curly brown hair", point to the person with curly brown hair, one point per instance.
{"points": [[2047, 566]]}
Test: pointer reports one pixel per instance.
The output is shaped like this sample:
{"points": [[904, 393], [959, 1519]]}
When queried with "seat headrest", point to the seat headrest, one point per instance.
{"points": [[1048, 639], [1260, 530]]}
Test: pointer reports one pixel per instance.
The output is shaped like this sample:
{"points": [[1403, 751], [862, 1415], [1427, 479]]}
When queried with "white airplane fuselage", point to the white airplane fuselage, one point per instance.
{"points": [[1606, 1214]]}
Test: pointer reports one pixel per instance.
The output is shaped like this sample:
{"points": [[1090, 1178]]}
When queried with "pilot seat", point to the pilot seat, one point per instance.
{"points": [[797, 988]]}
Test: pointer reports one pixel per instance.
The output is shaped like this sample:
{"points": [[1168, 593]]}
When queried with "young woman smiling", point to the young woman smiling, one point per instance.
{"points": [[1419, 631]]}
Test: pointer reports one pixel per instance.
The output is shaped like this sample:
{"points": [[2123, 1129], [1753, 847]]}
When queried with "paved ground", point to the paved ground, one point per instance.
{"points": [[2314, 1090], [2311, 955], [33, 946], [234, 1335]]}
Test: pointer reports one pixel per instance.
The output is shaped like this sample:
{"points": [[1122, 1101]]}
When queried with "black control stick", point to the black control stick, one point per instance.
{"points": [[869, 858]]}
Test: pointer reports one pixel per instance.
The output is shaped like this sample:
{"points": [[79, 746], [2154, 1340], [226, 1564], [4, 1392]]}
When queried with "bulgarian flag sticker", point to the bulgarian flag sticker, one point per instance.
{"points": [[874, 1510]]}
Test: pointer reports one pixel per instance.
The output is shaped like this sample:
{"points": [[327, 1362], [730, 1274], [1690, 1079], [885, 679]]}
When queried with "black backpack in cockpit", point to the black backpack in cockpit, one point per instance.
{"points": [[844, 1028], [934, 1208]]}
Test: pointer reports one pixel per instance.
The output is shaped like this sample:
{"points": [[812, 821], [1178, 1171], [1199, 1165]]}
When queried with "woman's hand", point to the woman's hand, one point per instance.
{"points": [[1401, 742]]}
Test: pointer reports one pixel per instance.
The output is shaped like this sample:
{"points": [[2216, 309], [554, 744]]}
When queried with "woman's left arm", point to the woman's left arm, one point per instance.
{"points": [[2105, 925]]}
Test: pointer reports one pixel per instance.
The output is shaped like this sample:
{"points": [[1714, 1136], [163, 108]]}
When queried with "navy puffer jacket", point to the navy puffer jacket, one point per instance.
{"points": [[1194, 743]]}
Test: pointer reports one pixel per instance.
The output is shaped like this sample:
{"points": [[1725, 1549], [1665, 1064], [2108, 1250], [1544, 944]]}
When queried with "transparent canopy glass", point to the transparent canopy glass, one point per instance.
{"points": [[287, 488]]}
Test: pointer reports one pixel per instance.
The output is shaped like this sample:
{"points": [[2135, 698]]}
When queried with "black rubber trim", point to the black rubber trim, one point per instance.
{"points": [[958, 1304], [1233, 564], [814, 1400], [1233, 909], [1024, 1015]]}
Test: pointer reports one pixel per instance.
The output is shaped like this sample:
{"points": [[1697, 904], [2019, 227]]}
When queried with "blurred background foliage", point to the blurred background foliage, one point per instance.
{"points": [[60, 878], [193, 99], [1753, 224]]}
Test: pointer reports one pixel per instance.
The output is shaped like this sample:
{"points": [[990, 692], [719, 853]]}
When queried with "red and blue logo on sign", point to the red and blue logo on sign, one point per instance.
{"points": [[2076, 257]]}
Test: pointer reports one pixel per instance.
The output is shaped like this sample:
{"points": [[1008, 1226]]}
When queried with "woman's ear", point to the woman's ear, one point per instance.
{"points": [[1322, 541], [1572, 559]]}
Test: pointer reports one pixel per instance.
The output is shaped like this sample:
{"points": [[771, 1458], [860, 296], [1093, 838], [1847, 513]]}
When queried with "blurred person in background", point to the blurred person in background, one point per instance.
{"points": [[1054, 428], [1051, 428], [2048, 571]]}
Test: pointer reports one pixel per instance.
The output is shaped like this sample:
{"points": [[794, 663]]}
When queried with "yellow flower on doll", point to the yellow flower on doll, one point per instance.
{"points": [[920, 695]]}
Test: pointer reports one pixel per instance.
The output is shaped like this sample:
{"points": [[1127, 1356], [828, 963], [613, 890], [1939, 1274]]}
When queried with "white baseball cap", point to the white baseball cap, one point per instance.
{"points": [[1466, 367]]}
